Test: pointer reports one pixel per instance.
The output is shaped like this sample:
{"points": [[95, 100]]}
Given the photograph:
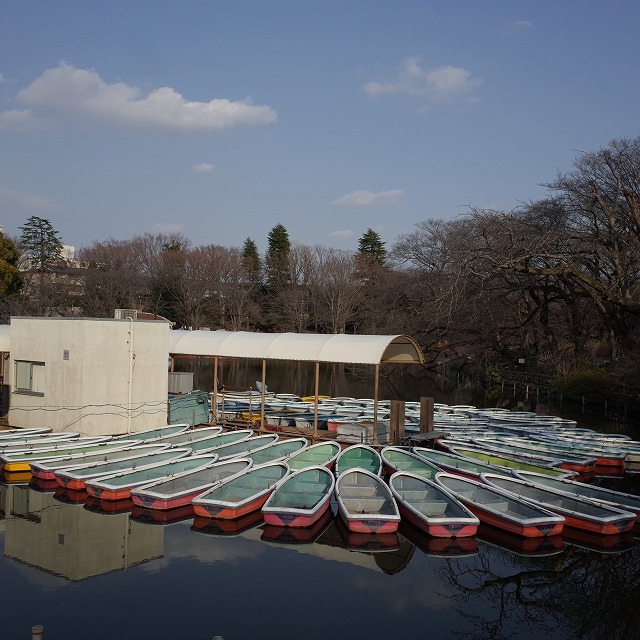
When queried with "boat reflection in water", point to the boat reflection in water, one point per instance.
{"points": [[369, 542], [441, 547], [498, 584], [616, 543], [108, 507], [223, 528], [43, 486], [297, 535], [70, 496], [161, 516], [523, 546]]}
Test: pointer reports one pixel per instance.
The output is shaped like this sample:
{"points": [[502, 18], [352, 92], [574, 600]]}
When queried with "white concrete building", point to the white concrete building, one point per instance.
{"points": [[92, 375]]}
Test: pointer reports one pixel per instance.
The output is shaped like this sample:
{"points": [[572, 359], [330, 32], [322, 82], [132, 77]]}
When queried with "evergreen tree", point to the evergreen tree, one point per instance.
{"points": [[10, 280], [277, 267], [371, 248], [40, 243], [251, 259]]}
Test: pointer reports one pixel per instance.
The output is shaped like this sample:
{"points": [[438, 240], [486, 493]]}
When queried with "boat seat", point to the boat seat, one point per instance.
{"points": [[235, 493], [496, 505], [432, 509], [311, 487], [356, 491], [296, 500], [246, 483], [413, 495], [316, 457], [363, 505], [404, 465]]}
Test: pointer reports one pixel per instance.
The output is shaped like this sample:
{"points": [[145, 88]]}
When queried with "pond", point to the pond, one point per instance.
{"points": [[408, 383], [83, 571]]}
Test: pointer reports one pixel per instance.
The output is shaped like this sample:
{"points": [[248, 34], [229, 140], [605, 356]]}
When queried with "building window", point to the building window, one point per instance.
{"points": [[29, 377]]}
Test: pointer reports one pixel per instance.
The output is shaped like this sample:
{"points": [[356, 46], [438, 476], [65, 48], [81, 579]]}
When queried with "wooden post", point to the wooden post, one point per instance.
{"points": [[396, 421], [426, 415]]}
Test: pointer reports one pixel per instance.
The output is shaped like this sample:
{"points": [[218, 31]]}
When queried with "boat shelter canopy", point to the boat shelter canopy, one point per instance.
{"points": [[308, 347]]}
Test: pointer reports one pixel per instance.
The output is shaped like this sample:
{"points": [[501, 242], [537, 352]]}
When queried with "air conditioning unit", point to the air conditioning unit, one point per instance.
{"points": [[123, 314]]}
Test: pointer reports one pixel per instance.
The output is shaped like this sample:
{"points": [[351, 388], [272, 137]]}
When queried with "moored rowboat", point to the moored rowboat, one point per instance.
{"points": [[74, 478], [501, 508], [240, 495], [619, 499], [431, 507], [397, 459], [46, 469], [366, 503], [19, 461], [322, 453], [578, 512], [359, 456], [180, 489], [277, 451], [301, 498], [119, 486]]}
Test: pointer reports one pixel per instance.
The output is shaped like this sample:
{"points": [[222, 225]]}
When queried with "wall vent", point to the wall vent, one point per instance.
{"points": [[123, 314]]}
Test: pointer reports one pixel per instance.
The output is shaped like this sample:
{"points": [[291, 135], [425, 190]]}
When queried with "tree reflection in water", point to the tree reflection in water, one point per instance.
{"points": [[583, 594]]}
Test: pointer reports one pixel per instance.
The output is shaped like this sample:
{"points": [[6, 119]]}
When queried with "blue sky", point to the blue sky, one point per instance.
{"points": [[220, 119]]}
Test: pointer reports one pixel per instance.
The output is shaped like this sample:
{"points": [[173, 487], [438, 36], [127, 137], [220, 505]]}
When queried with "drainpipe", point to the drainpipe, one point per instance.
{"points": [[130, 391]]}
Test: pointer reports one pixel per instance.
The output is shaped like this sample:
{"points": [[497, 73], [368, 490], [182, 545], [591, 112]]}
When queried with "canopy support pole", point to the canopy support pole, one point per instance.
{"points": [[375, 404], [215, 390], [315, 403], [262, 391]]}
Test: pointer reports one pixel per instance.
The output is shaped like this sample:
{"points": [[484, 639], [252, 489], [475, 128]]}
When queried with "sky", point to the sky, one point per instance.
{"points": [[219, 119]]}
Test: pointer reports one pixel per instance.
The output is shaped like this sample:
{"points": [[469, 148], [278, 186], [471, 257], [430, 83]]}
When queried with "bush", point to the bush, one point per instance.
{"points": [[594, 384], [493, 375]]}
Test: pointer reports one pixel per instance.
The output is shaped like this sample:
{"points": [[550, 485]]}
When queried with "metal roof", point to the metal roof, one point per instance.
{"points": [[309, 347]]}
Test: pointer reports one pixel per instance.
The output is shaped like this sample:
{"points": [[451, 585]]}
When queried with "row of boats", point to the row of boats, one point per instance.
{"points": [[228, 475]]}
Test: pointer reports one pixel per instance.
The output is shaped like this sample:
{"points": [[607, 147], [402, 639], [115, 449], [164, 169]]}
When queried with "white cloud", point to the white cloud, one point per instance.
{"points": [[437, 85], [368, 198], [341, 233], [521, 24], [20, 120], [24, 202], [2, 78], [81, 93], [203, 167]]}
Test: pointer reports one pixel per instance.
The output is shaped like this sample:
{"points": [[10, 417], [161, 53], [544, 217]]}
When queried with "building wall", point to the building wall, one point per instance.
{"points": [[101, 376]]}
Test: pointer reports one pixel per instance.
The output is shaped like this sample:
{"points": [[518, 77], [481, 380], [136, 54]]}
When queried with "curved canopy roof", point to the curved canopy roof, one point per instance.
{"points": [[309, 347]]}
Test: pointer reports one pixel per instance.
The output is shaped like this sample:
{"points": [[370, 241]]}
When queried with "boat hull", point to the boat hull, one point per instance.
{"points": [[226, 512], [526, 531], [150, 502], [292, 519], [369, 524], [438, 530]]}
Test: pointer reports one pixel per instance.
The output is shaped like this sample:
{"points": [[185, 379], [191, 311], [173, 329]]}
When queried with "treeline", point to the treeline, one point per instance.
{"points": [[553, 285]]}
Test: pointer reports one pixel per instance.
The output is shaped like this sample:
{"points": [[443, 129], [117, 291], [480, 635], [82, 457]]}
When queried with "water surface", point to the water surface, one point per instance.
{"points": [[83, 573]]}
